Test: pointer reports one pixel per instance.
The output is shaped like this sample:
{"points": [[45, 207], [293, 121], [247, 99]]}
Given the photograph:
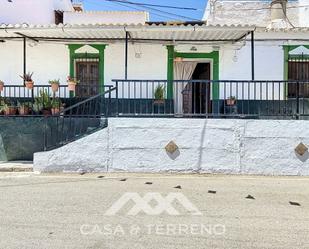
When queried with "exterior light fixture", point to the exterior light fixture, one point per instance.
{"points": [[194, 49]]}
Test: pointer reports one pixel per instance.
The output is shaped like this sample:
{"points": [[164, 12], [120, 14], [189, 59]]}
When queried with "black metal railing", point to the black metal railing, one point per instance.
{"points": [[204, 98], [78, 120], [18, 96]]}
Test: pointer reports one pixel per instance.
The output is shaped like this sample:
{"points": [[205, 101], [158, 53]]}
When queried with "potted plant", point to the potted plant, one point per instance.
{"points": [[24, 108], [28, 80], [54, 85], [56, 106], [72, 83], [2, 106], [1, 85], [9, 108], [42, 103], [159, 94], [231, 101]]}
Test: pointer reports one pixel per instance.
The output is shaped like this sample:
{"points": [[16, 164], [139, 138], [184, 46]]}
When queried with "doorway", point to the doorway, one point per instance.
{"points": [[87, 73], [196, 97]]}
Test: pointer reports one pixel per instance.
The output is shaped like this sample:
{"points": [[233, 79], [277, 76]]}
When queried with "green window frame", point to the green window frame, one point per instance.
{"points": [[286, 50]]}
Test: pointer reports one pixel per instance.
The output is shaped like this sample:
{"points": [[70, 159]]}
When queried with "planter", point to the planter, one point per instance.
{"points": [[29, 84], [24, 110], [159, 106], [10, 110], [72, 86], [1, 87], [159, 102], [55, 111], [46, 112], [55, 87], [230, 102]]}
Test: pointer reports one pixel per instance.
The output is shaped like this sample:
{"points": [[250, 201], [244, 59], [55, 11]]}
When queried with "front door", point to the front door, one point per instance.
{"points": [[298, 70], [87, 73], [197, 95]]}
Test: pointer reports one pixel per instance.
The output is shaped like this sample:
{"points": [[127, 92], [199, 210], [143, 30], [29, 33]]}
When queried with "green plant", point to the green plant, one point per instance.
{"points": [[54, 82], [56, 103], [232, 98], [159, 92], [27, 76], [2, 105], [72, 79], [24, 104], [43, 101]]}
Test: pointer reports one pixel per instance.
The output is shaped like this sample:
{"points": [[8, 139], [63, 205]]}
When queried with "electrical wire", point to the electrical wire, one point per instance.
{"points": [[129, 7], [153, 5], [157, 10]]}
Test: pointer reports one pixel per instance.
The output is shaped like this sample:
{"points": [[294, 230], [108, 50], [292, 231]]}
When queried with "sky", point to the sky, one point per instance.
{"points": [[187, 15]]}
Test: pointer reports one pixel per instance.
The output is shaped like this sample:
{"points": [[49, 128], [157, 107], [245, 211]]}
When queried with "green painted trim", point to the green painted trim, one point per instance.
{"points": [[286, 50], [214, 56], [170, 70], [99, 55]]}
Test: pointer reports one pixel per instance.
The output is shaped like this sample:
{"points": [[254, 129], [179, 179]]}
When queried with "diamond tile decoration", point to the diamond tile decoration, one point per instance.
{"points": [[171, 147], [301, 149]]}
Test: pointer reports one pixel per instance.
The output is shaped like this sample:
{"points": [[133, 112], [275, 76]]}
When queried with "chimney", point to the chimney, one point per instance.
{"points": [[278, 9], [278, 14]]}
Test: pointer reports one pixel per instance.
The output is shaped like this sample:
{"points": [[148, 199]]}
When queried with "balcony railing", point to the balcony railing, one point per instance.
{"points": [[204, 98], [178, 98], [15, 96]]}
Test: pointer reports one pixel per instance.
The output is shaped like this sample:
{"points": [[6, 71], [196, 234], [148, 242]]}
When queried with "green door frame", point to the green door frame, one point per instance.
{"points": [[213, 56], [286, 50], [99, 55]]}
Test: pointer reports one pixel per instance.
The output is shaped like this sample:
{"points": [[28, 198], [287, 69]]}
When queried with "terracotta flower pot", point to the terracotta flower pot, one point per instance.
{"points": [[55, 111], [55, 87], [46, 112], [1, 87], [10, 110], [71, 86], [24, 110], [159, 102], [29, 84], [230, 102]]}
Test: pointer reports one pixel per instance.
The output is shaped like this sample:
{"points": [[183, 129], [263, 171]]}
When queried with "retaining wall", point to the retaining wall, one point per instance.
{"points": [[205, 145]]}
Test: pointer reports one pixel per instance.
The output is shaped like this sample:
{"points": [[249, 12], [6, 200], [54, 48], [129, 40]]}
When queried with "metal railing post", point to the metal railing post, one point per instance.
{"points": [[297, 100], [117, 100]]}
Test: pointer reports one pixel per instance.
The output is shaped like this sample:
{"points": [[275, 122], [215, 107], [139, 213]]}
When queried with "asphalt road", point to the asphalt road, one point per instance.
{"points": [[69, 211]]}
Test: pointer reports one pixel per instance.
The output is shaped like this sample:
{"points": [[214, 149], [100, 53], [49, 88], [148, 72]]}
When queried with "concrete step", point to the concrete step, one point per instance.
{"points": [[16, 166]]}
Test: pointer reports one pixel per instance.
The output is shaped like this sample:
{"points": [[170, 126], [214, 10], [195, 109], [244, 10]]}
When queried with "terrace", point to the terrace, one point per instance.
{"points": [[50, 118]]}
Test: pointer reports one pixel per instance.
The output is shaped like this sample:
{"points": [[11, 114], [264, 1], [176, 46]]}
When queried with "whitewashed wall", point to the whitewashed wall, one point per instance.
{"points": [[32, 11], [148, 61], [235, 64], [47, 61], [205, 146], [106, 17]]}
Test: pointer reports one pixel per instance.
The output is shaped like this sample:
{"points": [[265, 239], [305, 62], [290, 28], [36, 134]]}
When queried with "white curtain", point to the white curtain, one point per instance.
{"points": [[182, 71]]}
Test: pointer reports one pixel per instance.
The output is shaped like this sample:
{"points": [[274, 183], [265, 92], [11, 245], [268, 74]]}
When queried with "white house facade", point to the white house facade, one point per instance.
{"points": [[245, 59]]}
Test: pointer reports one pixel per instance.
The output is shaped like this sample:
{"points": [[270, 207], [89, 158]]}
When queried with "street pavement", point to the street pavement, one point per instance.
{"points": [[133, 211]]}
